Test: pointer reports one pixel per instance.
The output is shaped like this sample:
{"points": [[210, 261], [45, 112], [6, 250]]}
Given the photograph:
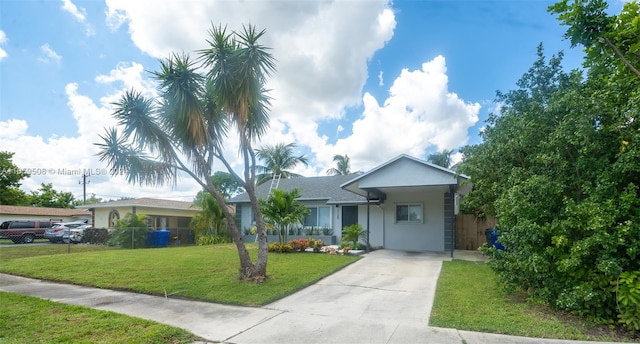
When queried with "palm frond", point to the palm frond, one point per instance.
{"points": [[137, 115], [123, 159], [182, 93]]}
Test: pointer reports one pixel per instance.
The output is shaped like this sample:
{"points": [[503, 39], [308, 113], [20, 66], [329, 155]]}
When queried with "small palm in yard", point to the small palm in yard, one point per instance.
{"points": [[283, 211], [352, 235]]}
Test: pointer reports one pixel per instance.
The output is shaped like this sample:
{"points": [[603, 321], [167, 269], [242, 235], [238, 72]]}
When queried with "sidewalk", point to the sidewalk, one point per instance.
{"points": [[342, 308]]}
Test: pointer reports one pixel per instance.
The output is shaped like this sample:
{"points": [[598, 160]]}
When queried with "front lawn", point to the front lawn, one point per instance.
{"points": [[25, 319], [22, 251], [206, 273], [468, 298]]}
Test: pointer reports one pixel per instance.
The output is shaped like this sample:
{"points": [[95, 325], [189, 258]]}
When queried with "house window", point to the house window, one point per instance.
{"points": [[318, 217], [409, 213]]}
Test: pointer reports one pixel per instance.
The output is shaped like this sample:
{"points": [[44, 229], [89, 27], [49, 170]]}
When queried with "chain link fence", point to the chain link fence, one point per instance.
{"points": [[140, 237]]}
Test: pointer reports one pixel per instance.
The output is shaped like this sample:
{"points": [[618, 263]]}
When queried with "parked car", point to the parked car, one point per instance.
{"points": [[66, 232], [24, 231], [77, 233]]}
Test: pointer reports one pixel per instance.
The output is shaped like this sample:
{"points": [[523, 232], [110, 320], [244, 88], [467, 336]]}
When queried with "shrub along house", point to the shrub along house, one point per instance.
{"points": [[405, 203], [161, 214]]}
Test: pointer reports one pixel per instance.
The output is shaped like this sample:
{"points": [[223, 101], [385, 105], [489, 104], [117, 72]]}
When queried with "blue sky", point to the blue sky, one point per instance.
{"points": [[369, 78]]}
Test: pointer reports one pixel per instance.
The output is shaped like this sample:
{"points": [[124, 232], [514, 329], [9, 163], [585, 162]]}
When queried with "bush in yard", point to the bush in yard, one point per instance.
{"points": [[286, 248], [627, 289], [315, 244], [131, 232], [210, 239], [97, 236], [559, 167], [274, 247], [299, 244]]}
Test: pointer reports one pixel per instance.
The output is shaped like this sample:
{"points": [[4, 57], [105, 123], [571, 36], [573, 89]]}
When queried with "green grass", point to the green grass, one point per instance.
{"points": [[25, 319], [206, 273], [11, 251], [468, 298]]}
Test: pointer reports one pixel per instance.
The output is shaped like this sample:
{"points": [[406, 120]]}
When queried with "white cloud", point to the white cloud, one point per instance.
{"points": [[3, 40], [322, 51], [380, 79], [62, 160], [419, 113], [12, 129], [126, 76], [80, 14], [49, 54]]}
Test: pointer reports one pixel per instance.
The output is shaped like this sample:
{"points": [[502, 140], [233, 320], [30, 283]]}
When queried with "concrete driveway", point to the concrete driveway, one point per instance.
{"points": [[386, 297]]}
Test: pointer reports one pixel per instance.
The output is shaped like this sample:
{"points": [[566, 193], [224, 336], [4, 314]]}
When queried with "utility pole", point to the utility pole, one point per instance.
{"points": [[84, 188]]}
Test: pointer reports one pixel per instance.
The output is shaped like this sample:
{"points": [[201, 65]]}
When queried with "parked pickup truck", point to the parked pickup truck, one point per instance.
{"points": [[24, 231]]}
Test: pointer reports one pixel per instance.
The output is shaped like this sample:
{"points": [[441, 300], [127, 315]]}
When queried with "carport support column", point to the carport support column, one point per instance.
{"points": [[449, 219], [368, 216]]}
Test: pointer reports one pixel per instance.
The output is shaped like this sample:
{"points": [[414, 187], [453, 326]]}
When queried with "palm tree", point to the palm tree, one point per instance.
{"points": [[209, 220], [183, 130], [342, 165], [441, 158], [284, 211], [278, 160]]}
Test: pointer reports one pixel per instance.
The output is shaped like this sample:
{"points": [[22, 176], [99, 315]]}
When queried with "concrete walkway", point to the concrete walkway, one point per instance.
{"points": [[386, 297]]}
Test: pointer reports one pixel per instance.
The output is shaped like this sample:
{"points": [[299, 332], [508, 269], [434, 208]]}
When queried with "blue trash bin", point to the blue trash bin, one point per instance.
{"points": [[492, 238], [151, 239], [162, 237]]}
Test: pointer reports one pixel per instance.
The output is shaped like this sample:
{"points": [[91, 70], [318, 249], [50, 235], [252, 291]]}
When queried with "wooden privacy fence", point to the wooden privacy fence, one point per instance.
{"points": [[470, 231]]}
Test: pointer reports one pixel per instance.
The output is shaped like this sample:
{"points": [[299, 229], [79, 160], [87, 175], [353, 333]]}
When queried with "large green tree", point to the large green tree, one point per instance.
{"points": [[559, 166], [228, 185], [200, 102], [47, 196], [441, 158], [10, 177], [278, 160]]}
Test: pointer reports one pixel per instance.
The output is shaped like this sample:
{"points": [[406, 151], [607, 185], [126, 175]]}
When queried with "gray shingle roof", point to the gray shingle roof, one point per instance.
{"points": [[311, 188]]}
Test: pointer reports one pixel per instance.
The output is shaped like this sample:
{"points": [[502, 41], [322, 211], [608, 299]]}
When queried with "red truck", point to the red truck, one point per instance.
{"points": [[24, 231]]}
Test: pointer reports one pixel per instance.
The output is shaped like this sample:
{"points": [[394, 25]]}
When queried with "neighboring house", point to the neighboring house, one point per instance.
{"points": [[13, 212], [405, 203], [161, 214]]}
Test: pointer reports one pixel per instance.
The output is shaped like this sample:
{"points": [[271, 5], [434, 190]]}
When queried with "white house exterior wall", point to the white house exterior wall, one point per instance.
{"points": [[376, 224], [425, 236], [406, 173], [102, 214]]}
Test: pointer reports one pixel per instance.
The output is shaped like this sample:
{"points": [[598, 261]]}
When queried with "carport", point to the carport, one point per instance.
{"points": [[416, 200]]}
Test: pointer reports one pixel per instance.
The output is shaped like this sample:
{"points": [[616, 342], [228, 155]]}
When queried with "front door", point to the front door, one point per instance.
{"points": [[349, 215]]}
